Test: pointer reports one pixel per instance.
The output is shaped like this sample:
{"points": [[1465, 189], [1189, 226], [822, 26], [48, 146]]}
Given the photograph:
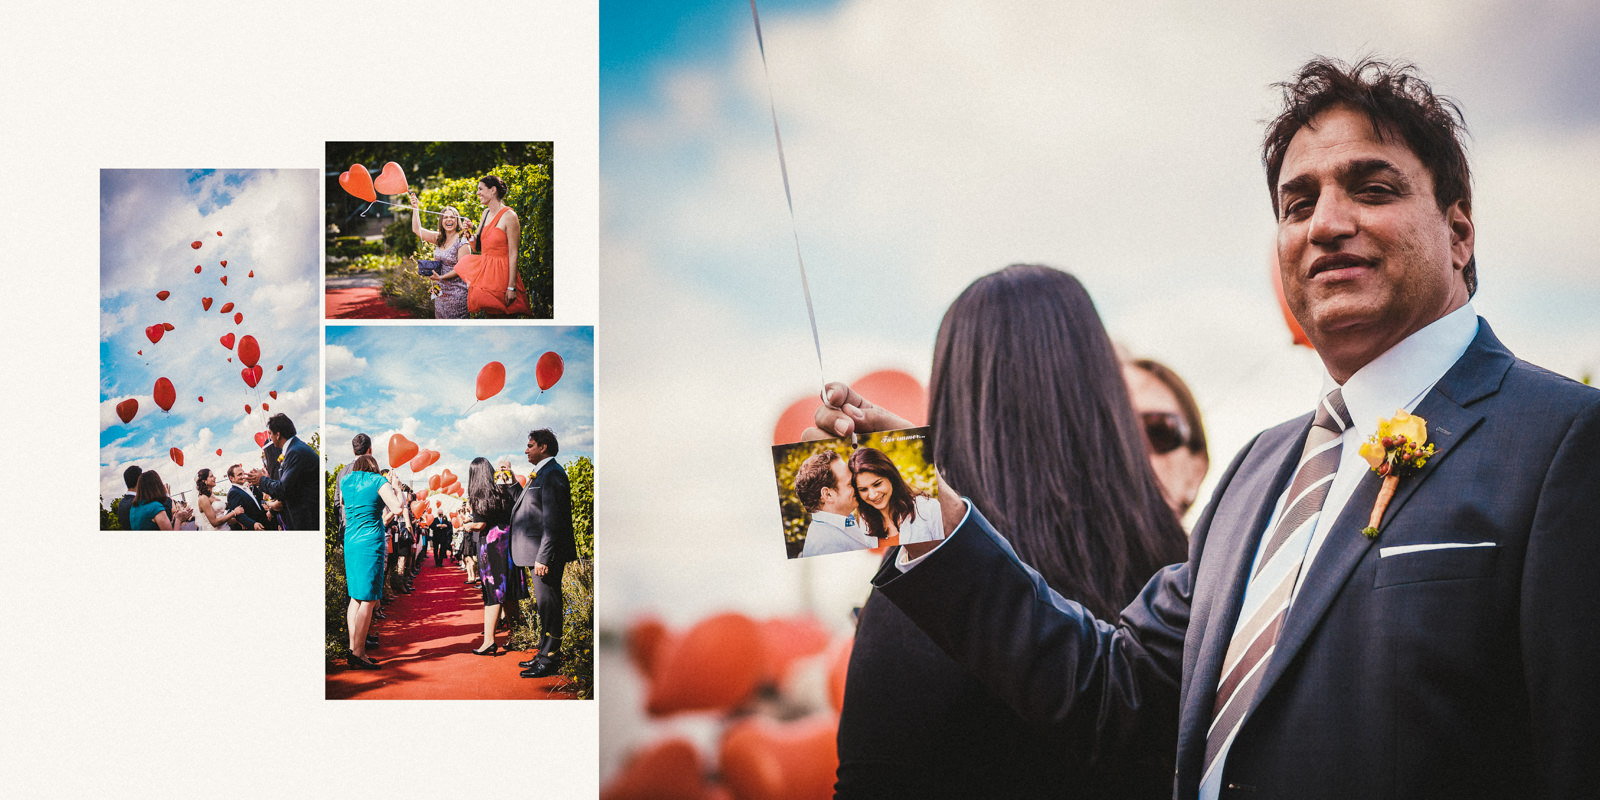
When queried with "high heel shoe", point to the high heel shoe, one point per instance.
{"points": [[491, 651], [357, 662]]}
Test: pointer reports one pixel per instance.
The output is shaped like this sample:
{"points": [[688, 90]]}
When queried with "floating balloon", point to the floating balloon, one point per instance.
{"points": [[163, 294], [419, 463], [645, 639], [247, 409], [417, 507], [787, 639], [219, 233], [166, 326], [252, 274], [357, 181], [226, 307], [280, 367], [127, 409], [274, 394], [491, 379], [219, 451], [154, 333], [141, 352], [224, 280], [195, 244], [177, 456], [251, 375], [264, 406], [666, 770], [891, 389], [238, 317], [197, 269], [224, 262], [391, 181], [205, 303], [262, 437], [433, 480], [164, 394], [401, 450], [200, 399], [715, 665], [549, 370], [249, 351], [227, 340], [764, 758]]}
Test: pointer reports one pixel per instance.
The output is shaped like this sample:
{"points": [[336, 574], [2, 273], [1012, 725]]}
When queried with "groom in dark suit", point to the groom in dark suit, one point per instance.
{"points": [[298, 483], [541, 541], [1321, 641], [254, 517]]}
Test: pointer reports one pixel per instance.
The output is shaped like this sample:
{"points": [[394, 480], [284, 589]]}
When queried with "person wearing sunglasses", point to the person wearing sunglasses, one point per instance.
{"points": [[1172, 427]]}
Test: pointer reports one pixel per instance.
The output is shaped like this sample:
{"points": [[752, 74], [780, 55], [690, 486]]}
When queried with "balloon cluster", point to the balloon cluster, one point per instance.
{"points": [[248, 352], [358, 182]]}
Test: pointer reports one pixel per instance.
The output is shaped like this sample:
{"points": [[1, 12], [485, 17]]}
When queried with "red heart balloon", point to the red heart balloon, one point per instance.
{"points": [[163, 294], [261, 438], [280, 367], [141, 352], [252, 274], [549, 370], [226, 307], [219, 451], [177, 456], [127, 409], [392, 180], [200, 399], [154, 332], [666, 770], [238, 317], [195, 244], [224, 262], [219, 233], [491, 379], [166, 326], [227, 341], [264, 406], [274, 394], [164, 394], [251, 375], [249, 351], [713, 666], [433, 480], [357, 181], [765, 758], [197, 269], [401, 450], [247, 409], [224, 280], [205, 303]]}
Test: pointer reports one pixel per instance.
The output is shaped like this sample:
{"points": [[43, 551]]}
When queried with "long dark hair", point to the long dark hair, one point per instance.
{"points": [[1032, 422], [150, 488], [200, 483], [487, 501], [902, 498]]}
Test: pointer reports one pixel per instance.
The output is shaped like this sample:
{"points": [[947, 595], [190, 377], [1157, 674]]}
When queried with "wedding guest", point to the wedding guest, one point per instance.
{"points": [[130, 476], [542, 542], [150, 506], [451, 303], [360, 445], [240, 496], [209, 518], [1035, 420], [491, 512], [297, 483], [1172, 428], [367, 496], [493, 283]]}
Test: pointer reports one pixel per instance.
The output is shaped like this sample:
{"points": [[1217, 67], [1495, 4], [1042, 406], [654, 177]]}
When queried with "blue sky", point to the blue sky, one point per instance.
{"points": [[420, 381], [270, 226]]}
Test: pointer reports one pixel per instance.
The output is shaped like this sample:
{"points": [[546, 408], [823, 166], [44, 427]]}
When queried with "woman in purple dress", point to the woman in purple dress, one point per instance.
{"points": [[451, 302], [491, 514]]}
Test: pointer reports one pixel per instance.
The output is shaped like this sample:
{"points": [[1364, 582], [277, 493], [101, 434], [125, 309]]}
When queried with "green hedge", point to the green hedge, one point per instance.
{"points": [[529, 192]]}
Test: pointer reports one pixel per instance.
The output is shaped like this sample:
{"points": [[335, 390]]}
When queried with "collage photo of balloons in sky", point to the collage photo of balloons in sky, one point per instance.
{"points": [[209, 318], [433, 398]]}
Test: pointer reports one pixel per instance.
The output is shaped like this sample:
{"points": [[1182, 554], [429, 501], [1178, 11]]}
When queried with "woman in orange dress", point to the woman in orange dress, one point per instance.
{"points": [[493, 284]]}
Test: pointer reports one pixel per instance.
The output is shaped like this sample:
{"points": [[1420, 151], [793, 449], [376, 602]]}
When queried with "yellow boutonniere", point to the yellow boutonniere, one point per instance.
{"points": [[280, 458], [1400, 447]]}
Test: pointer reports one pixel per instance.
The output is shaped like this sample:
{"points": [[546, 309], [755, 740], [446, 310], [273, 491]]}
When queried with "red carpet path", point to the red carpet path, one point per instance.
{"points": [[424, 650], [360, 302]]}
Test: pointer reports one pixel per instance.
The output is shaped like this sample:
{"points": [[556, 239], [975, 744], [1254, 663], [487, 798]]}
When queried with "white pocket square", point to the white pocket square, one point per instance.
{"points": [[1385, 552]]}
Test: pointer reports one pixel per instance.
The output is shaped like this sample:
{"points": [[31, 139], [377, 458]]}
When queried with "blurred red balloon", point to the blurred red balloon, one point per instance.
{"points": [[197, 269], [205, 303], [265, 407], [195, 244], [247, 409], [163, 294], [251, 274], [200, 399], [666, 770], [491, 379], [392, 180], [238, 317], [219, 233], [887, 388], [177, 456], [165, 394], [127, 409], [154, 333], [262, 437], [420, 462], [224, 280], [787, 639], [226, 307], [166, 326], [838, 668], [1297, 335], [645, 639], [224, 262], [249, 351], [433, 482], [549, 370], [227, 340], [763, 759], [417, 507], [273, 394], [280, 367], [357, 181], [219, 451], [401, 450], [713, 666]]}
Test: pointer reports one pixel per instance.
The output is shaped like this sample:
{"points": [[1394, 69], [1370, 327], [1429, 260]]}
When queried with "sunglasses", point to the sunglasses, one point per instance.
{"points": [[1165, 430]]}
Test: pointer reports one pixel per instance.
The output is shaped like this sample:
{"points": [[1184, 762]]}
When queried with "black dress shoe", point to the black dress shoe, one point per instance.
{"points": [[530, 662], [543, 669], [372, 641], [357, 662]]}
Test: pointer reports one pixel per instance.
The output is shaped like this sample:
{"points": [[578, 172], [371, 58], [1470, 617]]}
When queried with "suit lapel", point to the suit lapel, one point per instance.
{"points": [[1477, 374]]}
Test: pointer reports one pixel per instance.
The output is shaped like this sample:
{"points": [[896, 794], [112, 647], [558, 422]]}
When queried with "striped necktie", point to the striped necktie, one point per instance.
{"points": [[1277, 570]]}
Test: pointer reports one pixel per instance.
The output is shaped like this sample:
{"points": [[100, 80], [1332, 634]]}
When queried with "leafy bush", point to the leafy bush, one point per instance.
{"points": [[374, 262], [580, 474], [108, 516], [398, 237], [336, 598], [530, 193], [407, 290], [344, 248], [577, 627]]}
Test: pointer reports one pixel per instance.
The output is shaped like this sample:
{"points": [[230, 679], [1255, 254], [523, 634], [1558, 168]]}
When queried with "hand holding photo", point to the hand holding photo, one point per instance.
{"points": [[836, 496]]}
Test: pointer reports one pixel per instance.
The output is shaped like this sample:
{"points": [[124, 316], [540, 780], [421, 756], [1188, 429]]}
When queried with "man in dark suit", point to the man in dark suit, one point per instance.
{"points": [[1449, 651], [130, 476], [240, 495], [541, 541], [296, 484]]}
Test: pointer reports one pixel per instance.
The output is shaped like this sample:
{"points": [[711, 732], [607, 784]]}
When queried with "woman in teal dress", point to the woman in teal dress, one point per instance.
{"points": [[151, 503], [367, 495]]}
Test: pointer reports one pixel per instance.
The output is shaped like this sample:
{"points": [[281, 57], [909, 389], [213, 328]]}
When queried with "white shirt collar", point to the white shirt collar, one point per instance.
{"points": [[1400, 377], [542, 462], [829, 518]]}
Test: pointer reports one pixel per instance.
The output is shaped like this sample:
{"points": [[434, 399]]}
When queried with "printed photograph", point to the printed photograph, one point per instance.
{"points": [[440, 230], [837, 495], [460, 525], [209, 398]]}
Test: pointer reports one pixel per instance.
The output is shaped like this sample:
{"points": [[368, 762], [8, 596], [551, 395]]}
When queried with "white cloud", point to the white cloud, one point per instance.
{"points": [[339, 363]]}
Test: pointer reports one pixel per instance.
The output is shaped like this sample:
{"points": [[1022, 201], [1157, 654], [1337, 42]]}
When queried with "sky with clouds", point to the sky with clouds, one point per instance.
{"points": [[270, 227], [421, 382], [929, 144]]}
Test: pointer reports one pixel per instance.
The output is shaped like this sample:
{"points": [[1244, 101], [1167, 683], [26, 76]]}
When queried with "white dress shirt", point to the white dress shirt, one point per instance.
{"points": [[834, 533]]}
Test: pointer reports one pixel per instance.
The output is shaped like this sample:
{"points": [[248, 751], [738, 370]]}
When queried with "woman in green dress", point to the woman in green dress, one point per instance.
{"points": [[367, 498]]}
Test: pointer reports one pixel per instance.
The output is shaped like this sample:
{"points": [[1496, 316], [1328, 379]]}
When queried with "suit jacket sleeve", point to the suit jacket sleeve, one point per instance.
{"points": [[291, 486], [556, 496]]}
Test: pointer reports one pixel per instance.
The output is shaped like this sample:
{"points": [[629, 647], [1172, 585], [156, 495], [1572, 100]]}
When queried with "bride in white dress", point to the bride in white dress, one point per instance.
{"points": [[212, 516]]}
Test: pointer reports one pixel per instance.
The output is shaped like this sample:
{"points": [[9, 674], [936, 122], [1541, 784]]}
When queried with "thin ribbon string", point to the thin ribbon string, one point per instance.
{"points": [[397, 205], [783, 166]]}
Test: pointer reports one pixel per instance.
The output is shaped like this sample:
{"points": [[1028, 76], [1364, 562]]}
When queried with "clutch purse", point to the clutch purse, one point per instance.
{"points": [[429, 267]]}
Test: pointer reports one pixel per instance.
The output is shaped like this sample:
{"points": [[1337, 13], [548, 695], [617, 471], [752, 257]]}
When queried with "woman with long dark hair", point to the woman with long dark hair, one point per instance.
{"points": [[1031, 421], [210, 518], [151, 506], [491, 522], [887, 504], [490, 268]]}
